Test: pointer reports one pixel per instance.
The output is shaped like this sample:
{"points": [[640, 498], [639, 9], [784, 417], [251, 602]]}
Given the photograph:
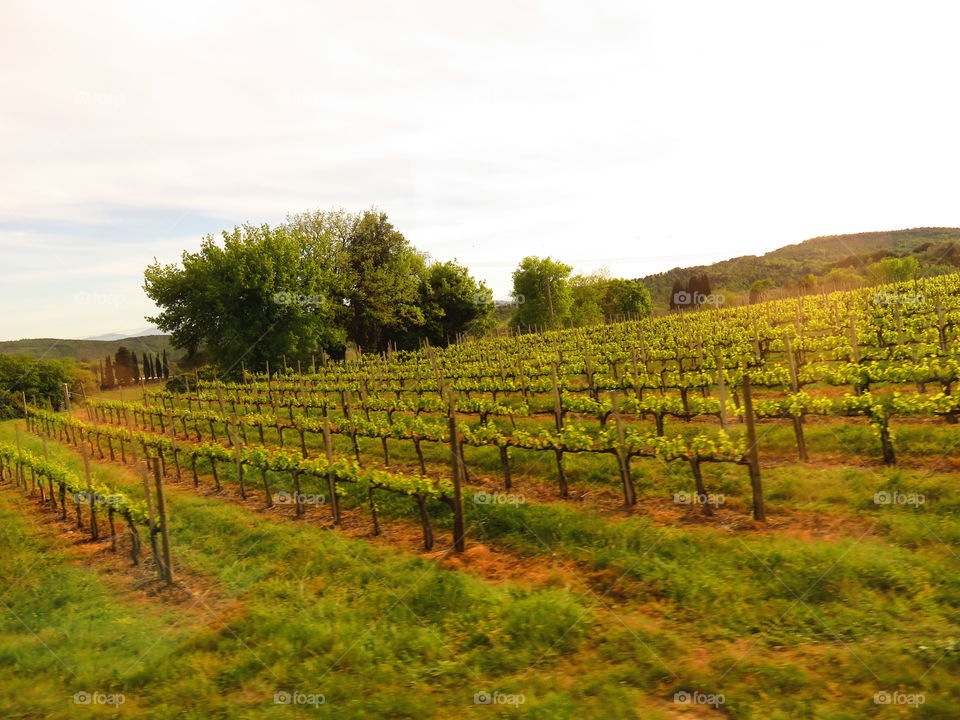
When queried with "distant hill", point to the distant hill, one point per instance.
{"points": [[124, 335], [86, 350], [817, 256]]}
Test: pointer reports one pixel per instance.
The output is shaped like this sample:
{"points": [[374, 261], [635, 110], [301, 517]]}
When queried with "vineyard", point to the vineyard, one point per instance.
{"points": [[714, 470], [689, 389]]}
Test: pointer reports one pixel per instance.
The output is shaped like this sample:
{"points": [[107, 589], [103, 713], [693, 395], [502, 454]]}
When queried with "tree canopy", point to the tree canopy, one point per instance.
{"points": [[41, 381], [546, 296], [315, 283], [542, 293]]}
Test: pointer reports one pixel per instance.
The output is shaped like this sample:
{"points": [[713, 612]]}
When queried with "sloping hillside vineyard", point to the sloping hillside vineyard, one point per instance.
{"points": [[682, 390]]}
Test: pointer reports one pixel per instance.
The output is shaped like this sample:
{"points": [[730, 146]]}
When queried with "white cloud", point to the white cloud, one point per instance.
{"points": [[633, 135]]}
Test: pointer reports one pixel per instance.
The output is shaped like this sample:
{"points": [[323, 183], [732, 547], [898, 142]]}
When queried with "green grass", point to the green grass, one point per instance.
{"points": [[783, 626], [379, 632]]}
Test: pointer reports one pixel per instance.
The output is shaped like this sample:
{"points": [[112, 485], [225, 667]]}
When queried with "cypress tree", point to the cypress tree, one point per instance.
{"points": [[166, 365], [134, 367], [109, 379], [121, 366]]}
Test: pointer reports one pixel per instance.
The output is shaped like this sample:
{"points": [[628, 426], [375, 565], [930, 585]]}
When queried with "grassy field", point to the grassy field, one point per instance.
{"points": [[577, 607]]}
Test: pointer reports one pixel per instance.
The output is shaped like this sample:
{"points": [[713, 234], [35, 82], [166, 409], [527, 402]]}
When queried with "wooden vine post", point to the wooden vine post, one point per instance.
{"points": [[174, 450], [558, 416], [623, 459], [151, 522], [795, 388], [167, 567], [331, 482], [753, 455], [91, 497], [722, 392], [237, 459], [46, 456], [459, 541], [702, 495], [21, 478], [348, 414]]}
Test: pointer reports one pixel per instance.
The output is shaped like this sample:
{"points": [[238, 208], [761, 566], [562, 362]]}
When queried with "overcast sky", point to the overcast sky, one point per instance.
{"points": [[635, 136]]}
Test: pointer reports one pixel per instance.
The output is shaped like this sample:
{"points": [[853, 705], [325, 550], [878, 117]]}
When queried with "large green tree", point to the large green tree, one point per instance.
{"points": [[263, 293], [381, 276], [620, 297], [585, 293], [123, 365], [891, 270], [316, 282], [598, 298], [542, 291], [452, 302], [40, 381]]}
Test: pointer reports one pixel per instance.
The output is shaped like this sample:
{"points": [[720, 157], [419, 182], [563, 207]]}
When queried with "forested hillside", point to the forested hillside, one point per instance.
{"points": [[85, 350], [937, 250]]}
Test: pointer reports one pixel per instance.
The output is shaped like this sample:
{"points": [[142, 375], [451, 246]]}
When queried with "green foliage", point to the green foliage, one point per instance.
{"points": [[599, 298], [123, 365], [841, 279], [40, 380], [624, 297], [891, 270], [379, 279], [263, 294], [90, 351], [758, 287], [585, 307], [452, 302], [817, 256], [542, 291], [310, 285], [690, 294]]}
